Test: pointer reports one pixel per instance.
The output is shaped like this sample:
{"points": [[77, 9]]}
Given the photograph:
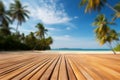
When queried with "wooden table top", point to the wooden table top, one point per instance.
{"points": [[59, 67]]}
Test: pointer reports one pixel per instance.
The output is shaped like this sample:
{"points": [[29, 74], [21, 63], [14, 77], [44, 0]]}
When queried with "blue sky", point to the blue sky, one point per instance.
{"points": [[69, 26]]}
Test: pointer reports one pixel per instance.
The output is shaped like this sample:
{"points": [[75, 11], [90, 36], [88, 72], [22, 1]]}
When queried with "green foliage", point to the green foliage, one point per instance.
{"points": [[17, 41], [117, 6], [117, 14], [103, 32], [92, 4], [117, 48], [10, 43], [18, 12], [41, 31]]}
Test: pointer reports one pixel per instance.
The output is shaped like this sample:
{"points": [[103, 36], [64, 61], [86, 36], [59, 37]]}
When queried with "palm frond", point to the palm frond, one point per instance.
{"points": [[83, 2]]}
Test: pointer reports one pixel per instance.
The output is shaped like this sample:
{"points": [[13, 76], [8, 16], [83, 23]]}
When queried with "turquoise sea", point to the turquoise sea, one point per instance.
{"points": [[78, 49]]}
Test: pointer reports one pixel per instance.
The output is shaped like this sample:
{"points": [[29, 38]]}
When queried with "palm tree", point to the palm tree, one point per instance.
{"points": [[92, 4], [31, 36], [22, 37], [5, 31], [41, 34], [30, 40], [49, 41], [117, 6], [109, 37], [41, 31], [4, 20], [103, 32], [118, 34], [95, 5], [117, 14], [18, 12], [112, 36], [102, 25]]}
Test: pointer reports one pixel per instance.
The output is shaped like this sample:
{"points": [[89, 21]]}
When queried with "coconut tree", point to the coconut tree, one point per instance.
{"points": [[102, 24], [119, 34], [117, 6], [117, 48], [41, 31], [41, 34], [92, 4], [95, 5], [18, 12], [112, 36], [31, 35], [103, 32], [108, 38], [30, 40], [49, 41], [45, 43], [4, 20], [117, 14], [22, 37], [5, 31]]}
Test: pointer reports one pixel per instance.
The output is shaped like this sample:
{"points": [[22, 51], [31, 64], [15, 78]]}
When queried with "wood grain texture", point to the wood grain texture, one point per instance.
{"points": [[38, 66]]}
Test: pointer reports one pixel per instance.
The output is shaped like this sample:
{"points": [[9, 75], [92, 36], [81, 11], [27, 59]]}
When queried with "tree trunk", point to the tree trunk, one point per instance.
{"points": [[111, 7], [112, 48], [17, 27]]}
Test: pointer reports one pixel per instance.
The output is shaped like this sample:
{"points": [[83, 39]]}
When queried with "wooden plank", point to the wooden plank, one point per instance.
{"points": [[18, 71], [20, 76], [63, 72], [81, 69], [71, 75], [90, 70], [51, 67], [94, 62], [27, 77], [41, 71], [15, 62], [56, 71], [78, 74], [49, 71], [14, 67]]}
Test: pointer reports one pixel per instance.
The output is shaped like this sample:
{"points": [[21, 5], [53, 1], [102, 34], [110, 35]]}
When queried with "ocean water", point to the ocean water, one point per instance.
{"points": [[77, 49]]}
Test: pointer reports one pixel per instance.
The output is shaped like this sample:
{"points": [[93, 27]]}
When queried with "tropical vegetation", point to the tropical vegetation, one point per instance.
{"points": [[18, 12], [19, 41], [117, 48], [103, 31]]}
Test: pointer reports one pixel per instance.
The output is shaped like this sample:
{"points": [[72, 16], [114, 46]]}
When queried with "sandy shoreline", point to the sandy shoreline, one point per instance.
{"points": [[59, 52], [78, 52]]}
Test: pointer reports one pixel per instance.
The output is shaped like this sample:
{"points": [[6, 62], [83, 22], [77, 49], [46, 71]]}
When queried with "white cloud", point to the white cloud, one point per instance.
{"points": [[62, 38], [52, 29], [67, 36], [50, 12], [76, 17], [68, 28]]}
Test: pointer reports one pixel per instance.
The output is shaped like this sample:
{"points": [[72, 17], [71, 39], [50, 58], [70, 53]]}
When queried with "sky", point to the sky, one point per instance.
{"points": [[68, 24]]}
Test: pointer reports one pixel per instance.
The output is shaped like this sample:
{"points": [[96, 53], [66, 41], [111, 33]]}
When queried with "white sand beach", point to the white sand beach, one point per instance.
{"points": [[76, 52], [58, 52]]}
